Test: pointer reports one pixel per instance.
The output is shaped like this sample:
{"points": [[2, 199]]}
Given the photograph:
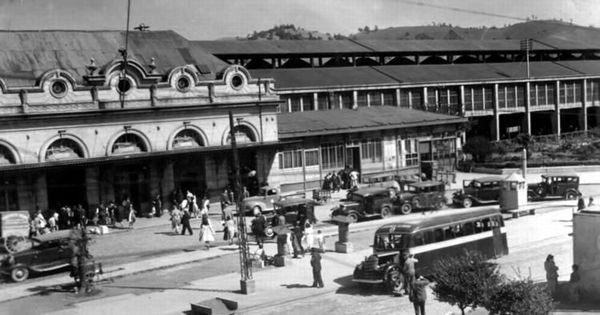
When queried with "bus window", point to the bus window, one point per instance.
{"points": [[428, 237], [448, 233], [478, 227], [469, 228], [458, 230], [438, 235], [487, 224], [417, 239]]}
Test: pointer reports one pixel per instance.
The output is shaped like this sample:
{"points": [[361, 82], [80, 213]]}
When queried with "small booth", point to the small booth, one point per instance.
{"points": [[513, 193]]}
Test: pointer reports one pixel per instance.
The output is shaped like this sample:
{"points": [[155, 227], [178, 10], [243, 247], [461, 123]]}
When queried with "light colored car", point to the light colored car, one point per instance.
{"points": [[262, 202]]}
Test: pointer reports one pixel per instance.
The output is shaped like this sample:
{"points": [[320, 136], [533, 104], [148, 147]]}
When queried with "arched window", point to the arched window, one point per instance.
{"points": [[63, 149], [187, 138], [6, 157], [243, 134], [129, 143]]}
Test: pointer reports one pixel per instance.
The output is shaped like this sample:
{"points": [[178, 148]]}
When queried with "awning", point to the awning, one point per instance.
{"points": [[138, 156]]}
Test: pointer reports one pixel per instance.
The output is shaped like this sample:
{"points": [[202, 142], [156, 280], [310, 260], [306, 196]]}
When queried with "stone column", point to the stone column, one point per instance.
{"points": [[168, 184], [92, 186], [556, 116], [343, 245], [41, 191]]}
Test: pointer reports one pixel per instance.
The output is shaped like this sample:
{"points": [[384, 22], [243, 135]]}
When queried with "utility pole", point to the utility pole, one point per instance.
{"points": [[246, 281], [123, 52], [526, 45]]}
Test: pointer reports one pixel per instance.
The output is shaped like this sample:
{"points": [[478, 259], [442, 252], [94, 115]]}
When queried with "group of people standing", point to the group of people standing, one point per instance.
{"points": [[574, 288], [182, 213], [344, 179]]}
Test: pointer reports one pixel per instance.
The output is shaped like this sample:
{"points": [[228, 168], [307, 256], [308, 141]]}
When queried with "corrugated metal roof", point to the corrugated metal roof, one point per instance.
{"points": [[25, 55], [313, 123], [323, 77], [283, 47], [253, 47], [445, 45]]}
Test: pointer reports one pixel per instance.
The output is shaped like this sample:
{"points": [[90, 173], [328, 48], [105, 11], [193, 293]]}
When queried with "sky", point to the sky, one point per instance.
{"points": [[214, 19]]}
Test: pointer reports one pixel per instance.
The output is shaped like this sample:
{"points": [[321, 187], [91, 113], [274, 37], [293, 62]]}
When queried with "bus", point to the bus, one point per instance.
{"points": [[430, 239]]}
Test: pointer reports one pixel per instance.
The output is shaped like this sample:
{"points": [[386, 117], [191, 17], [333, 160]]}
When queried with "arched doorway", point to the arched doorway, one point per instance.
{"points": [[131, 180], [65, 187], [9, 199], [188, 170]]}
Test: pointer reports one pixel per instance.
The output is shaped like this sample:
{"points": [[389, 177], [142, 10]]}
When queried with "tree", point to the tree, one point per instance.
{"points": [[519, 297], [465, 280], [479, 147]]}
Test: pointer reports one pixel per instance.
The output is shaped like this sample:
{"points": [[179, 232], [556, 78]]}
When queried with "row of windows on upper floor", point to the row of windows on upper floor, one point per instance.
{"points": [[446, 99], [333, 156]]}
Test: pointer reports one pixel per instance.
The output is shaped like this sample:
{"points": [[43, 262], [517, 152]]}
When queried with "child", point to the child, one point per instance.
{"points": [[230, 230]]}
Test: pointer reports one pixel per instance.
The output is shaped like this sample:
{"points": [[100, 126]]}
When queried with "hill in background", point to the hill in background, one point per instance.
{"points": [[537, 29]]}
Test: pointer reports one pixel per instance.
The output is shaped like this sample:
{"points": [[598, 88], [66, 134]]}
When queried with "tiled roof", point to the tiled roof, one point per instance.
{"points": [[314, 123], [25, 55]]}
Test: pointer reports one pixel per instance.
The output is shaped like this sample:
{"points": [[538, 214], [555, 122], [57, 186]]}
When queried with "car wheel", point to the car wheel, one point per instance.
{"points": [[406, 208], [352, 217], [19, 274], [15, 244], [269, 232], [571, 195], [393, 278], [386, 212], [467, 203]]}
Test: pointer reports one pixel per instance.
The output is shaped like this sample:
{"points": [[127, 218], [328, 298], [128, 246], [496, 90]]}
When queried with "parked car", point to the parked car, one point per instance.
{"points": [[479, 191], [295, 211], [47, 252], [422, 195], [262, 202], [565, 186], [364, 203]]}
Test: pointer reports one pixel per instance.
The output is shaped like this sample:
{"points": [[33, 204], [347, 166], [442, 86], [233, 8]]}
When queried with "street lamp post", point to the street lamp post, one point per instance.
{"points": [[246, 281]]}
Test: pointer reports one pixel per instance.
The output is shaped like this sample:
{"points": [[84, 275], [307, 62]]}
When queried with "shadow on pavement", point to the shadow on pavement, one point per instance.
{"points": [[153, 288], [296, 286], [167, 233], [348, 287]]}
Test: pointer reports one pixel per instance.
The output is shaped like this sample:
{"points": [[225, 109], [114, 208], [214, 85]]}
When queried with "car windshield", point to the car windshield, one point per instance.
{"points": [[355, 197], [267, 191], [389, 242]]}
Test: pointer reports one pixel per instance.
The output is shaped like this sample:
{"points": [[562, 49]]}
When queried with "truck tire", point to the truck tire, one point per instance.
{"points": [[406, 208], [386, 212], [352, 217], [393, 278], [19, 274], [467, 203]]}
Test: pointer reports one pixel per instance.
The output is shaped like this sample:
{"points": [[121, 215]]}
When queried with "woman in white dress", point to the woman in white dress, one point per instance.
{"points": [[207, 233]]}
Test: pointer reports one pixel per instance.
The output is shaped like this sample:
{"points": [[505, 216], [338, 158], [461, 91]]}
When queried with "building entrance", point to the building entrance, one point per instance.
{"points": [[190, 175], [133, 182], [66, 188]]}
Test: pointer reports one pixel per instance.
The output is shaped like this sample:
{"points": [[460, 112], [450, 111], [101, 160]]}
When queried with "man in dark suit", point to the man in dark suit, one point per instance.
{"points": [[185, 222], [315, 262], [418, 295]]}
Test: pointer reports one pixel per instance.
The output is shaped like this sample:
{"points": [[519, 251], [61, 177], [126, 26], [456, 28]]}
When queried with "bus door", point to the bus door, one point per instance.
{"points": [[497, 239]]}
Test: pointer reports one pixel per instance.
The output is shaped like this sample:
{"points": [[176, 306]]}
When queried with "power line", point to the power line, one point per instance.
{"points": [[455, 9]]}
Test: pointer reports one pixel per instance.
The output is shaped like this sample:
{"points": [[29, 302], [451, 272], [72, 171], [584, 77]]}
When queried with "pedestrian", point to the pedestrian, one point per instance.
{"points": [[175, 219], [308, 238], [53, 222], [131, 217], [205, 205], [580, 203], [185, 222], [408, 271], [207, 233], [224, 199], [157, 206], [418, 295], [354, 179], [230, 230], [551, 274], [574, 286], [591, 202], [315, 262], [294, 242], [245, 193], [258, 226], [39, 223], [320, 240]]}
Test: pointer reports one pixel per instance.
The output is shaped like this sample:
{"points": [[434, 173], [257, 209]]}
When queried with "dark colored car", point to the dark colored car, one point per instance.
{"points": [[47, 252], [479, 191], [565, 186], [364, 203], [423, 195]]}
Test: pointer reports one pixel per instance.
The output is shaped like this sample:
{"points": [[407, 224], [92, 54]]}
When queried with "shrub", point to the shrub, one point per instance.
{"points": [[465, 280], [519, 297]]}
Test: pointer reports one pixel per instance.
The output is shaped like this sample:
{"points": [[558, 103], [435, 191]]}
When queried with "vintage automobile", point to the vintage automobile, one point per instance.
{"points": [[479, 191], [47, 252], [559, 185], [365, 203], [263, 202], [422, 195], [294, 211]]}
